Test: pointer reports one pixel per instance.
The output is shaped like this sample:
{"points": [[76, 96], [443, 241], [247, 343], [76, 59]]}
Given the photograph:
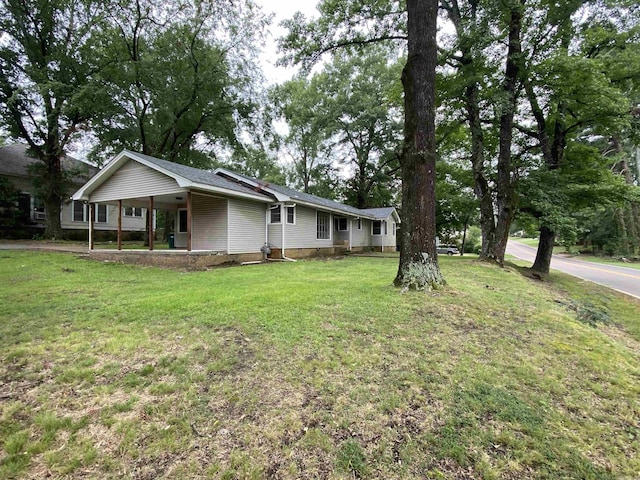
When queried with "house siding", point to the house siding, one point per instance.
{"points": [[390, 239], [361, 238], [134, 180], [25, 185], [303, 233], [387, 241], [246, 226], [275, 234], [130, 224], [209, 223]]}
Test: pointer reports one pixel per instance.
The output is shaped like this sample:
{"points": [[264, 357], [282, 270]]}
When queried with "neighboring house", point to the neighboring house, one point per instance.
{"points": [[231, 214], [14, 166]]}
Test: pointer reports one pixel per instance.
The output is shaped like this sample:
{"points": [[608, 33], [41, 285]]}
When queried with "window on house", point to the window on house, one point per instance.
{"points": [[276, 214], [132, 212], [359, 224], [376, 227], [395, 228], [79, 211], [341, 224], [38, 209], [323, 223], [182, 221], [101, 213], [291, 215], [385, 227]]}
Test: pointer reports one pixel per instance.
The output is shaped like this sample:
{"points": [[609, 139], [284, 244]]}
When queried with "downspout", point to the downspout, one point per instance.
{"points": [[266, 225], [350, 230], [90, 228]]}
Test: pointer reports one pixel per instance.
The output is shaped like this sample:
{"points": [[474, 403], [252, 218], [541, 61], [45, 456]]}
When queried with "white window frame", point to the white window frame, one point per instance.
{"points": [[395, 228], [178, 220], [329, 226], [133, 212], [106, 212], [85, 212], [346, 224], [372, 228], [293, 208], [271, 211], [85, 215], [358, 224]]}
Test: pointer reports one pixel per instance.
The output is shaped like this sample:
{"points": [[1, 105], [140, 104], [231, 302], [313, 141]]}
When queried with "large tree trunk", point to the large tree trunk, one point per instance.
{"points": [[542, 263], [53, 190], [505, 188], [481, 184], [52, 225], [418, 267], [553, 154]]}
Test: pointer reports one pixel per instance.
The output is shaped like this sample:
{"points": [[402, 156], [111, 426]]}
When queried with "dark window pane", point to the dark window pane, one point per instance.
{"points": [[78, 212], [275, 214], [101, 213], [182, 224]]}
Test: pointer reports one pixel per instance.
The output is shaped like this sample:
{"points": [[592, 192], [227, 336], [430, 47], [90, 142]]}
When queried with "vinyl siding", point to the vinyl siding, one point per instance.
{"points": [[129, 224], [361, 238], [209, 223], [388, 240], [275, 234], [134, 180], [246, 226], [303, 233]]}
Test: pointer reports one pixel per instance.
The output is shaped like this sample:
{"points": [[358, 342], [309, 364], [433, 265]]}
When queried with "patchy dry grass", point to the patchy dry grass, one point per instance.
{"points": [[317, 369]]}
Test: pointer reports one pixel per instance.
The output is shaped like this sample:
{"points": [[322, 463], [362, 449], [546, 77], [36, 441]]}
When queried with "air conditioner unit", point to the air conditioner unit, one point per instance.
{"points": [[41, 215]]}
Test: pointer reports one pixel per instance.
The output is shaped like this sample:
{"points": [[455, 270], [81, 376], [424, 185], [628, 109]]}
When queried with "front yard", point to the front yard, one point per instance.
{"points": [[318, 369]]}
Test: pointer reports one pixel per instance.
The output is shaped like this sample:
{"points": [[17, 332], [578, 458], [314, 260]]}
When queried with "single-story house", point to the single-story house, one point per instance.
{"points": [[15, 166], [232, 215]]}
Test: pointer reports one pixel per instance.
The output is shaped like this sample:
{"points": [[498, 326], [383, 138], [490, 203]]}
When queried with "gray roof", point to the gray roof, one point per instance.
{"points": [[15, 160], [379, 213], [205, 177], [308, 198], [197, 175]]}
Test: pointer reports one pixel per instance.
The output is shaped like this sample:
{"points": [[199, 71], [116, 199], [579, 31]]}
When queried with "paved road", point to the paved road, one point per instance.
{"points": [[626, 280]]}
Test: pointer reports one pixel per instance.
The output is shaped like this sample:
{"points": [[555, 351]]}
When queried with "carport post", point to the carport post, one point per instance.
{"points": [[119, 224], [91, 210], [188, 221], [150, 218]]}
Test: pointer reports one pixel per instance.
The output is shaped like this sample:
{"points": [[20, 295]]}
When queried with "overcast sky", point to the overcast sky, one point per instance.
{"points": [[282, 9]]}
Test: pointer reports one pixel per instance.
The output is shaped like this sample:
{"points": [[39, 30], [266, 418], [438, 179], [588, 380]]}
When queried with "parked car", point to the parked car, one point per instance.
{"points": [[448, 249]]}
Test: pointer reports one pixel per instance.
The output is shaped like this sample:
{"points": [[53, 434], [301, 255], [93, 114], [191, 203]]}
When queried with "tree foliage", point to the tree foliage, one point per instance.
{"points": [[46, 97], [345, 116], [176, 78]]}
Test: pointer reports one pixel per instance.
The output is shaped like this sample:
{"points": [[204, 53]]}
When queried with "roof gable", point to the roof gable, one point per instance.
{"points": [[381, 213], [227, 182], [186, 177]]}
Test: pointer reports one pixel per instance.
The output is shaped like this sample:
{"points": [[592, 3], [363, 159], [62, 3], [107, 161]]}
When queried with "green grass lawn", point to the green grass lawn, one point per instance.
{"points": [[316, 369]]}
